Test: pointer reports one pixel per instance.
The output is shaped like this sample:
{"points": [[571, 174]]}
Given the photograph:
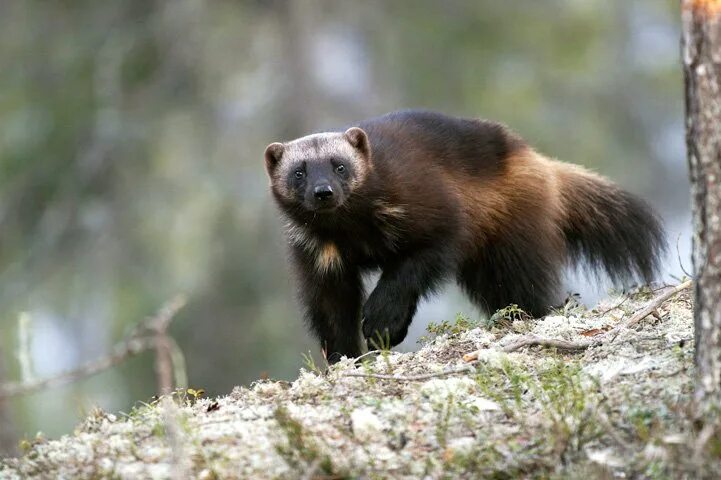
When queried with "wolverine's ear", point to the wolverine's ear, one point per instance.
{"points": [[358, 138], [273, 153]]}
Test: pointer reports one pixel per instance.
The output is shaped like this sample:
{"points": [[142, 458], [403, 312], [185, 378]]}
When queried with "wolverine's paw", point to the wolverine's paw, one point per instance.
{"points": [[385, 326]]}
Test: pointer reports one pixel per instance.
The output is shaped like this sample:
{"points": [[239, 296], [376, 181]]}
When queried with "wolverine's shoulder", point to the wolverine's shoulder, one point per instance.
{"points": [[474, 145], [440, 123]]}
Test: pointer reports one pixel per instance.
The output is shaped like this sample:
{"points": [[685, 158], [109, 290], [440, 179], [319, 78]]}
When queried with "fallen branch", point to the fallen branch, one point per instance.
{"points": [[609, 336], [533, 340], [144, 337], [367, 354], [652, 306], [413, 378], [649, 309]]}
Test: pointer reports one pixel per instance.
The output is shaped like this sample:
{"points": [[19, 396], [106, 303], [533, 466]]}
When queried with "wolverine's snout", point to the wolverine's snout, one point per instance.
{"points": [[323, 195], [323, 192]]}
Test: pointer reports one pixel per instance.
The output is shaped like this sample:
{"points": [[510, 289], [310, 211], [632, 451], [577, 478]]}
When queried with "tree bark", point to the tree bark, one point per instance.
{"points": [[701, 50]]}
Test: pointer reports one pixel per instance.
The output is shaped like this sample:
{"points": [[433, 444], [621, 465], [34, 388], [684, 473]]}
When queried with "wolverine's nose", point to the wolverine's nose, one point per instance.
{"points": [[323, 192]]}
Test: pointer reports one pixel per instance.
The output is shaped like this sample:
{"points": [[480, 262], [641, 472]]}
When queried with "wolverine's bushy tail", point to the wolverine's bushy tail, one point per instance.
{"points": [[613, 230]]}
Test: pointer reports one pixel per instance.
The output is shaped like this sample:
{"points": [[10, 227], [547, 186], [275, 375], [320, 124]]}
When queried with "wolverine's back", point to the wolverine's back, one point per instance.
{"points": [[468, 146]]}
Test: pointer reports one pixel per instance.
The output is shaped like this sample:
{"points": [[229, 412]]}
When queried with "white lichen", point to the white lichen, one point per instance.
{"points": [[531, 413]]}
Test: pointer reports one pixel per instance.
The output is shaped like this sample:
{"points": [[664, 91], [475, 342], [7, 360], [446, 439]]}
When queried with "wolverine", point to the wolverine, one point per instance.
{"points": [[423, 198]]}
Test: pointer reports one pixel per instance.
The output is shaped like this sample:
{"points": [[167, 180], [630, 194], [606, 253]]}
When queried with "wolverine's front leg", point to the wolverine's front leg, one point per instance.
{"points": [[331, 294], [390, 308]]}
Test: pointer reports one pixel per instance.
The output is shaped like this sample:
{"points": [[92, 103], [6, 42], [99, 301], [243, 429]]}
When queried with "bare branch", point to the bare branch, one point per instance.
{"points": [[139, 341], [367, 354], [414, 378], [23, 352], [680, 262], [163, 365], [533, 340], [180, 373], [645, 311], [163, 349], [653, 305]]}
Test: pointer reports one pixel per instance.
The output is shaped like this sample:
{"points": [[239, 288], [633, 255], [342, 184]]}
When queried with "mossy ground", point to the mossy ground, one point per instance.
{"points": [[617, 410]]}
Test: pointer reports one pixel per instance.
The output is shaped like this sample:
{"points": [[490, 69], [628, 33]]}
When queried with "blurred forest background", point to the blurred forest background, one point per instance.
{"points": [[132, 136]]}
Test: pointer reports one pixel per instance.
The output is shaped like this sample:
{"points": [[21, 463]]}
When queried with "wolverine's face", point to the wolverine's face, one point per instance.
{"points": [[318, 172]]}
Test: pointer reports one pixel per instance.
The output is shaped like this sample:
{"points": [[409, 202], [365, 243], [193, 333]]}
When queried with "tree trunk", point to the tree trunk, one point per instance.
{"points": [[701, 49]]}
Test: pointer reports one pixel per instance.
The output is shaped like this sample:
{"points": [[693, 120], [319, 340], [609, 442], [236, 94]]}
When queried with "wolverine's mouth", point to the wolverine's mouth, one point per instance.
{"points": [[324, 208]]}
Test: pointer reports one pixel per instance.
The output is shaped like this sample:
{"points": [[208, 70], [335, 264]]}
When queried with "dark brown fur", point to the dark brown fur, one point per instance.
{"points": [[433, 197]]}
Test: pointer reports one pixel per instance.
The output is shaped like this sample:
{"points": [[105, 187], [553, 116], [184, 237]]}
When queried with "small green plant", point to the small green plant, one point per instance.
{"points": [[655, 470], [183, 396], [386, 356], [485, 460], [714, 445], [300, 451], [569, 405], [566, 403], [368, 370], [194, 395], [517, 380], [505, 385], [26, 445], [381, 342], [310, 364], [461, 324], [572, 306], [644, 422], [444, 422], [504, 317], [158, 429], [644, 293]]}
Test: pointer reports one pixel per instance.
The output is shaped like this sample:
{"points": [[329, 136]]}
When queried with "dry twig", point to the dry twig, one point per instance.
{"points": [[413, 378], [163, 346], [648, 309], [367, 354], [533, 340]]}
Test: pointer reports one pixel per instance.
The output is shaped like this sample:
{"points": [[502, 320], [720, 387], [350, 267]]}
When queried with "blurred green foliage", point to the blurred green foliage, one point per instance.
{"points": [[131, 140]]}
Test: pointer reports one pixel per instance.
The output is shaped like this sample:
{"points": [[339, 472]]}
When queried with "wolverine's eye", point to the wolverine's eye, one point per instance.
{"points": [[340, 169], [299, 174]]}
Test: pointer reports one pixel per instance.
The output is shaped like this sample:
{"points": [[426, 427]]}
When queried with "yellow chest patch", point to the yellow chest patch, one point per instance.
{"points": [[328, 258]]}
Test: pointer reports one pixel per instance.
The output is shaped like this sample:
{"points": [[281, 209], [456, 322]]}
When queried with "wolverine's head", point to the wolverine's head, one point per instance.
{"points": [[319, 172]]}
